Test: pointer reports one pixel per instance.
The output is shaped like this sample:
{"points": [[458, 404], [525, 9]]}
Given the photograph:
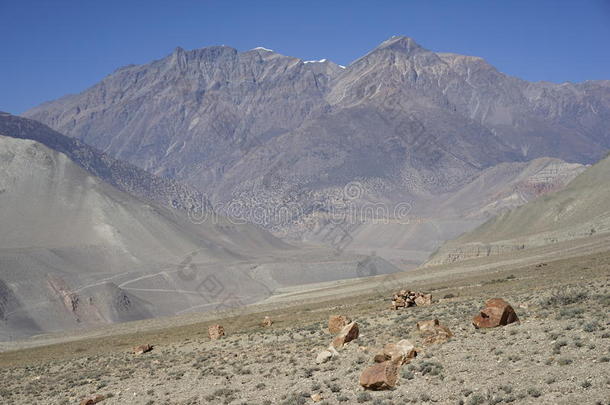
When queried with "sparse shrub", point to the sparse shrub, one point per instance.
{"points": [[533, 392], [558, 345], [590, 327], [564, 361], [564, 297], [334, 388], [475, 399], [294, 399], [363, 397], [407, 374], [430, 367], [585, 384]]}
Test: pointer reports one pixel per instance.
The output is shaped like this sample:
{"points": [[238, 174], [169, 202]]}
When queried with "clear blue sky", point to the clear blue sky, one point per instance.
{"points": [[54, 47]]}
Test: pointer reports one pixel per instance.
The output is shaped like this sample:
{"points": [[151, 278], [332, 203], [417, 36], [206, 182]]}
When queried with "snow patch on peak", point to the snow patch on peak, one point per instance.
{"points": [[260, 48], [315, 61]]}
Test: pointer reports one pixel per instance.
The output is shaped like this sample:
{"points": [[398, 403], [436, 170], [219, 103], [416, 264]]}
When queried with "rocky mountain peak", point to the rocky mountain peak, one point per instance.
{"points": [[400, 43]]}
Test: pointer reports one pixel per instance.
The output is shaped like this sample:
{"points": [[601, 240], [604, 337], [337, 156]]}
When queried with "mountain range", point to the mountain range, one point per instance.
{"points": [[276, 140]]}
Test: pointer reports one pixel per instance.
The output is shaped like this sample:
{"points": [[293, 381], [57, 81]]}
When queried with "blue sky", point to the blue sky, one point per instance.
{"points": [[54, 47]]}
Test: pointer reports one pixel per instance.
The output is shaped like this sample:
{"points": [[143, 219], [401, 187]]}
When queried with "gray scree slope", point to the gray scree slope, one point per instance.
{"points": [[77, 251]]}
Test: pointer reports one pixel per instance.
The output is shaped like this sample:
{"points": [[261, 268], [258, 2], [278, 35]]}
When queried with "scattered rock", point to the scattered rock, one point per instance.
{"points": [[497, 312], [216, 332], [433, 332], [423, 300], [399, 302], [427, 325], [380, 376], [92, 400], [336, 323], [347, 334], [267, 322], [400, 353], [142, 349], [316, 397], [323, 356], [406, 298]]}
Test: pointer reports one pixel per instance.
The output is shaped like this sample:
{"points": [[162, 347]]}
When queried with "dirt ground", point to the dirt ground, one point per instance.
{"points": [[558, 354]]}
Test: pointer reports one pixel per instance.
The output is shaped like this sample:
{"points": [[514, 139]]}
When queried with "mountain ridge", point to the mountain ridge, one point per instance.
{"points": [[578, 210], [262, 130]]}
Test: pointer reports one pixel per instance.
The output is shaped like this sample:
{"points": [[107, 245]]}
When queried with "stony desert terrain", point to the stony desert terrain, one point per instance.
{"points": [[558, 353]]}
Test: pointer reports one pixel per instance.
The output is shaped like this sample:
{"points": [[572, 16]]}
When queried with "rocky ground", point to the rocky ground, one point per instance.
{"points": [[559, 352]]}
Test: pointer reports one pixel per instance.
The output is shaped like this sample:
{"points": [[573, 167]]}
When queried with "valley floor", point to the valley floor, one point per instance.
{"points": [[558, 354]]}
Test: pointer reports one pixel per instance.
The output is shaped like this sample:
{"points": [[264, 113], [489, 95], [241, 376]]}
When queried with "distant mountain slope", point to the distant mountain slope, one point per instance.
{"points": [[77, 251], [579, 210], [122, 175], [409, 241]]}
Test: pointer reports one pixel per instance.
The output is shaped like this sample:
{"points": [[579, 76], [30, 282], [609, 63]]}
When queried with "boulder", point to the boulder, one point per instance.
{"points": [[142, 349], [406, 298], [216, 332], [423, 300], [433, 332], [497, 312], [401, 352], [347, 334], [398, 302], [267, 322], [439, 334], [380, 376], [92, 400], [316, 397], [336, 323], [427, 325]]}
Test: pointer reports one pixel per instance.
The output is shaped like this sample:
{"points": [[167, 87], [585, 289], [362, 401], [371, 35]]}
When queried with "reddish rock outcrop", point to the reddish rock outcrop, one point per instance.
{"points": [[433, 332], [380, 376], [142, 349], [427, 325], [406, 298], [267, 322], [400, 353], [347, 334], [336, 323], [497, 312], [92, 400], [216, 332], [423, 300]]}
